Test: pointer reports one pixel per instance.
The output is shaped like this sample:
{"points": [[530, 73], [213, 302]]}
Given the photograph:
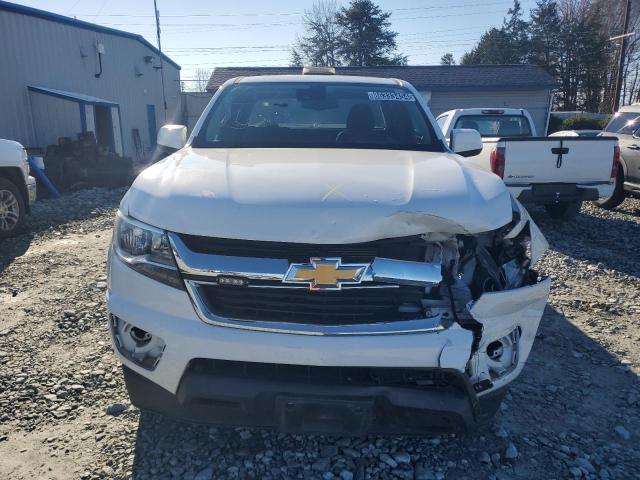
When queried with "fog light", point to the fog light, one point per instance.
{"points": [[503, 354], [495, 350], [141, 337], [141, 347]]}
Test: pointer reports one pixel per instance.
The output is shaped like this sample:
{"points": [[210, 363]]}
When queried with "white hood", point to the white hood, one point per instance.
{"points": [[317, 195]]}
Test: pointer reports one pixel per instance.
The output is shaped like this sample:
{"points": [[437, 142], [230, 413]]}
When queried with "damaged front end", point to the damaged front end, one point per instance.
{"points": [[494, 292]]}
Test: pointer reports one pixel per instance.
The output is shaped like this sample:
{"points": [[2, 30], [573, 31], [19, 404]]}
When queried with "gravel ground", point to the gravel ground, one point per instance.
{"points": [[64, 411]]}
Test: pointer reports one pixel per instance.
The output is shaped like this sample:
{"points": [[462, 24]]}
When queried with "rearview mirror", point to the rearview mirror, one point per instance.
{"points": [[172, 136], [466, 142]]}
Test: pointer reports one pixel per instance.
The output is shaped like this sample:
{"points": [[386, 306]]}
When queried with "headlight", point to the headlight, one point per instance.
{"points": [[146, 249]]}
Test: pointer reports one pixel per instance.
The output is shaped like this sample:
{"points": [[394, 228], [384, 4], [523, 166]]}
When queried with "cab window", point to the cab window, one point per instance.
{"points": [[317, 115], [496, 125]]}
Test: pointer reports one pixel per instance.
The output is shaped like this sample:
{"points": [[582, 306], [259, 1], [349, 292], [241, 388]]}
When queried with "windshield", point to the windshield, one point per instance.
{"points": [[496, 125], [624, 122], [317, 115]]}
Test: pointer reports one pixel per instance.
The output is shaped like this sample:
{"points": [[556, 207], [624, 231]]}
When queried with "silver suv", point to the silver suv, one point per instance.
{"points": [[625, 125]]}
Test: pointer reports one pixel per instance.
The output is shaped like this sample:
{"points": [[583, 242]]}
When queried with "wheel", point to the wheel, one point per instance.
{"points": [[564, 210], [12, 208], [617, 196]]}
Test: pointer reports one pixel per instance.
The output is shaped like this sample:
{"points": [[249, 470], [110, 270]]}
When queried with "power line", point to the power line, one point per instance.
{"points": [[263, 24], [289, 14], [75, 4]]}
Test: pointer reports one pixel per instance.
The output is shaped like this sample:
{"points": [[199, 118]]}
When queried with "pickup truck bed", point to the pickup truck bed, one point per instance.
{"points": [[549, 170], [557, 172]]}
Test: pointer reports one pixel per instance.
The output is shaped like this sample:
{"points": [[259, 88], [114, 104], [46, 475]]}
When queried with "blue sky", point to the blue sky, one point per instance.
{"points": [[206, 34]]}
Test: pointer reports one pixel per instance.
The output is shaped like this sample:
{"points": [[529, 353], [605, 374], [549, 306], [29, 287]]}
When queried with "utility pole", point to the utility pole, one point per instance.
{"points": [[164, 97], [623, 49]]}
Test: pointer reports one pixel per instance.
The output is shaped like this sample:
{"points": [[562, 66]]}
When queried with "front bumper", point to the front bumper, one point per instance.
{"points": [[173, 387], [312, 406], [31, 189]]}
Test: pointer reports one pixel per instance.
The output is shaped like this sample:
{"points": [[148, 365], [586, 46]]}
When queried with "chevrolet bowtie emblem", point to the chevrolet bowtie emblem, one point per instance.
{"points": [[325, 273]]}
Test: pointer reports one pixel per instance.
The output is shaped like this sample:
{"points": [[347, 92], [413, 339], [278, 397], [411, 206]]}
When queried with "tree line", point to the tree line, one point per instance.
{"points": [[356, 35], [569, 38]]}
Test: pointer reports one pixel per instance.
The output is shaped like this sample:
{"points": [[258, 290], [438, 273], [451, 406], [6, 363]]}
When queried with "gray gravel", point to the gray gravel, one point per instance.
{"points": [[64, 412]]}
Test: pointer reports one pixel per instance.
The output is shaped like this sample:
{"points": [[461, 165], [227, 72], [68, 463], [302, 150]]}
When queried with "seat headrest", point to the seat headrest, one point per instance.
{"points": [[360, 118], [508, 128]]}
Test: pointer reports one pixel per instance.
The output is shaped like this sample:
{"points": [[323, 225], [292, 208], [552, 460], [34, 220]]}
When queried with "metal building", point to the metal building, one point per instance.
{"points": [[446, 87], [60, 76]]}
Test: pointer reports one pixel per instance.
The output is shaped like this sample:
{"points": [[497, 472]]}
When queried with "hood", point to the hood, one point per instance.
{"points": [[317, 195]]}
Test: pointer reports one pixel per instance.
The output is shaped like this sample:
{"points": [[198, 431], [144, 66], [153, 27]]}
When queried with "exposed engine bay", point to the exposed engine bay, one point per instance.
{"points": [[479, 268]]}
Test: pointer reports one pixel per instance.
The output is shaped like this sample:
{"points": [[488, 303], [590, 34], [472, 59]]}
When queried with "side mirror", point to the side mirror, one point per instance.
{"points": [[172, 136], [466, 142]]}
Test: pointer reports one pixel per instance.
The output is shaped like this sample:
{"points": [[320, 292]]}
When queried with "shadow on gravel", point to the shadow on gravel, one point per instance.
{"points": [[595, 239], [59, 216], [567, 403], [11, 248]]}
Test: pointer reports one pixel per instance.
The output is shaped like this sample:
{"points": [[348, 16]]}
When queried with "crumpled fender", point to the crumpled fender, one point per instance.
{"points": [[539, 244], [502, 312]]}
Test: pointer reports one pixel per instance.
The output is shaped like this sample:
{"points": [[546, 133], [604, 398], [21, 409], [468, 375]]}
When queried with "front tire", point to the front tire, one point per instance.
{"points": [[12, 209], [617, 196], [564, 210]]}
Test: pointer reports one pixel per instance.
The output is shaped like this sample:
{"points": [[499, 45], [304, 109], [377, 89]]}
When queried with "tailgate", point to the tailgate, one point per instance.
{"points": [[559, 160]]}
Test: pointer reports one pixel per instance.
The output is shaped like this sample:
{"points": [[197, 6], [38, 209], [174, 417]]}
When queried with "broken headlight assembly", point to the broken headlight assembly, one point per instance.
{"points": [[146, 250]]}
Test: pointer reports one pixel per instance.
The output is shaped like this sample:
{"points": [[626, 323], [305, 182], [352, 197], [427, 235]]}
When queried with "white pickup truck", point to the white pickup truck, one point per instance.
{"points": [[17, 187], [315, 258], [559, 172]]}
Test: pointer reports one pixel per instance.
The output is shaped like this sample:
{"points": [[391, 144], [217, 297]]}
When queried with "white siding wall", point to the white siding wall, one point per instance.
{"points": [[535, 101], [39, 52]]}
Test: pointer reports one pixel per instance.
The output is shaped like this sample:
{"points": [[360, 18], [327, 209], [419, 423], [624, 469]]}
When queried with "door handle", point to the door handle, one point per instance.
{"points": [[633, 147]]}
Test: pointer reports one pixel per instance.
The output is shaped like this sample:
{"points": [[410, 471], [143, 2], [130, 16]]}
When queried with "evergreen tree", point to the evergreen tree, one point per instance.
{"points": [[517, 33], [509, 44], [546, 38], [365, 36], [447, 59], [493, 48], [296, 59]]}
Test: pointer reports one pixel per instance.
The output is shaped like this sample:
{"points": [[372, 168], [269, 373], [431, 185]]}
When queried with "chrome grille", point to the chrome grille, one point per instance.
{"points": [[387, 300], [349, 306]]}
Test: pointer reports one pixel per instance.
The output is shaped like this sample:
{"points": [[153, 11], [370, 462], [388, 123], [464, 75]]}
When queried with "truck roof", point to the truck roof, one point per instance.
{"points": [[318, 79], [485, 110]]}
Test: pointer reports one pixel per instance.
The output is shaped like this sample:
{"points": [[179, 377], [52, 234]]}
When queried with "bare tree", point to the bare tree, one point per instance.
{"points": [[318, 46], [200, 80]]}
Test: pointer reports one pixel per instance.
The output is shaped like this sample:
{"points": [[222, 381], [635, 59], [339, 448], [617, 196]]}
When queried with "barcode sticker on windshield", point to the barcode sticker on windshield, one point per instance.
{"points": [[391, 96]]}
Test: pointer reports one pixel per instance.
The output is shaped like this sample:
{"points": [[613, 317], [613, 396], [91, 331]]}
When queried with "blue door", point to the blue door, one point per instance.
{"points": [[153, 128]]}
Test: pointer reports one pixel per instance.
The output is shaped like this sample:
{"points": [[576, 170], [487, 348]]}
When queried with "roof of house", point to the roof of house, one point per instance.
{"points": [[54, 17], [431, 77]]}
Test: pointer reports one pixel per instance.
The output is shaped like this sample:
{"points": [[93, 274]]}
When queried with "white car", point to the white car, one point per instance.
{"points": [[576, 133], [557, 172], [17, 187], [316, 259]]}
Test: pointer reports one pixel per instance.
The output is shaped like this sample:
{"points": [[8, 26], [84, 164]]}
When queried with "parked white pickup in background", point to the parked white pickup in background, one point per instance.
{"points": [[559, 172], [17, 187]]}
